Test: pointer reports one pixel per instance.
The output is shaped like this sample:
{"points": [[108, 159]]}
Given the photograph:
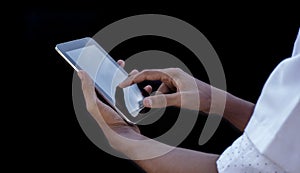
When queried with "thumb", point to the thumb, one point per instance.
{"points": [[162, 100]]}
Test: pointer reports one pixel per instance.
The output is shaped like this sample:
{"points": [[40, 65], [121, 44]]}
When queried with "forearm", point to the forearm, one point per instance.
{"points": [[154, 156], [181, 160], [237, 111]]}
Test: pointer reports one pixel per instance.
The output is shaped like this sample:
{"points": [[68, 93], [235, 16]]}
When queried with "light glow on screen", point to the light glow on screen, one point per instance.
{"points": [[108, 76], [99, 67]]}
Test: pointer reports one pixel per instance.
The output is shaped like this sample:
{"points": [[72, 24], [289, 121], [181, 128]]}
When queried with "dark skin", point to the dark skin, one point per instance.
{"points": [[184, 90]]}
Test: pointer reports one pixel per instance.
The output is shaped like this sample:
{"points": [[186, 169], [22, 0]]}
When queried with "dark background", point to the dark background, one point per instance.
{"points": [[250, 43]]}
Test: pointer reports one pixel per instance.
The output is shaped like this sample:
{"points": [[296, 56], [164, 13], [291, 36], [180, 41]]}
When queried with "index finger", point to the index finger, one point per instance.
{"points": [[151, 74]]}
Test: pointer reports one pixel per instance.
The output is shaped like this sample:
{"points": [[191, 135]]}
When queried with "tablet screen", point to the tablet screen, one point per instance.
{"points": [[107, 76]]}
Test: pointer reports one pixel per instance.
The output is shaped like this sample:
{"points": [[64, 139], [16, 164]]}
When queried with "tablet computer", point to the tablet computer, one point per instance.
{"points": [[86, 54]]}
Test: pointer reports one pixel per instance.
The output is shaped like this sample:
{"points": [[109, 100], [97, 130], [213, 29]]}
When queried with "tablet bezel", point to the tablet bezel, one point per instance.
{"points": [[63, 48]]}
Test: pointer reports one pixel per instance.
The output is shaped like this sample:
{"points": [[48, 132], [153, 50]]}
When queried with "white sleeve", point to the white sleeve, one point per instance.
{"points": [[296, 49], [275, 124]]}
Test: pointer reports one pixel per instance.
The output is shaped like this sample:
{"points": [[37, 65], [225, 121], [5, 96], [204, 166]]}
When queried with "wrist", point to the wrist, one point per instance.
{"points": [[217, 101], [123, 139], [238, 111]]}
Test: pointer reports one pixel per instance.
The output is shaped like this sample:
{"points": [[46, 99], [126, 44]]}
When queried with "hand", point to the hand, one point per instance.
{"points": [[177, 89], [127, 139], [110, 122]]}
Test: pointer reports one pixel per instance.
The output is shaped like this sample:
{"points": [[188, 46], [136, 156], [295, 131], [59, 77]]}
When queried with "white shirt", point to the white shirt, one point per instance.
{"points": [[274, 127]]}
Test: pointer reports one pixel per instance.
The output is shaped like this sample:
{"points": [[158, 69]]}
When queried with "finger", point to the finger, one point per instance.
{"points": [[94, 105], [121, 63], [103, 114], [109, 115], [153, 74], [88, 90], [133, 72], [148, 89], [162, 100], [130, 75], [163, 88], [127, 81]]}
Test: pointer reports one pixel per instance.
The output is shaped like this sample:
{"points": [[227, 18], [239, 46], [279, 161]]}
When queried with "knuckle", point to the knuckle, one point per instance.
{"points": [[144, 71], [135, 71], [175, 70]]}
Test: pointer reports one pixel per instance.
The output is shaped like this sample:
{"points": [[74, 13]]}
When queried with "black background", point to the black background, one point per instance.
{"points": [[249, 41]]}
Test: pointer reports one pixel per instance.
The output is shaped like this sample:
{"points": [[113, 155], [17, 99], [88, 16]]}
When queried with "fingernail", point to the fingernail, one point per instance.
{"points": [[147, 102]]}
